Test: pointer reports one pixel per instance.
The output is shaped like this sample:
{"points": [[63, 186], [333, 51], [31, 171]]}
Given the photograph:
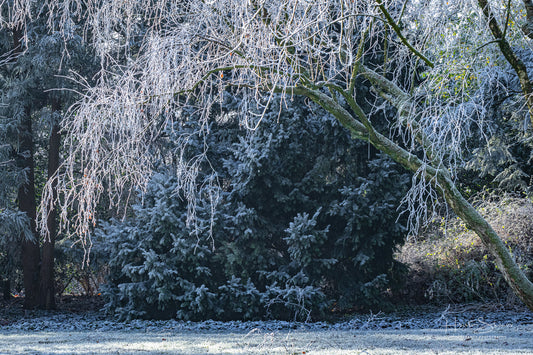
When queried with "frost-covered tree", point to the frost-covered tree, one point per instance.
{"points": [[32, 75], [321, 203], [502, 159], [14, 222], [305, 223], [434, 57]]}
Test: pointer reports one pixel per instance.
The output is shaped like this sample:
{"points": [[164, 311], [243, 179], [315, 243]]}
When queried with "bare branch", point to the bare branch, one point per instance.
{"points": [[398, 31], [510, 55]]}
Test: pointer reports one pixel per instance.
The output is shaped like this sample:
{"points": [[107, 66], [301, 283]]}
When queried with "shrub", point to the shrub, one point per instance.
{"points": [[304, 225], [73, 277], [448, 263]]}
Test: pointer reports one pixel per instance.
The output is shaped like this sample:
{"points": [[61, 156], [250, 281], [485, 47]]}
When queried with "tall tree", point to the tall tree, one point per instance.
{"points": [[435, 57], [306, 223], [46, 280], [32, 77], [27, 205], [26, 192], [15, 223]]}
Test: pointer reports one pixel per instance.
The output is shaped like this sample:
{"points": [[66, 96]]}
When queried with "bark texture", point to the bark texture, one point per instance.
{"points": [[26, 203], [30, 252], [6, 289], [360, 127], [46, 282]]}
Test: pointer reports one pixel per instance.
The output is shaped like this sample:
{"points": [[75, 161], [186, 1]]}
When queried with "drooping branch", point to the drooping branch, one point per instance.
{"points": [[267, 45], [444, 184]]}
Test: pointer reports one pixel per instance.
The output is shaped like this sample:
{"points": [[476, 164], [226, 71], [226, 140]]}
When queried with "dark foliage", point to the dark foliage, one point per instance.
{"points": [[306, 224]]}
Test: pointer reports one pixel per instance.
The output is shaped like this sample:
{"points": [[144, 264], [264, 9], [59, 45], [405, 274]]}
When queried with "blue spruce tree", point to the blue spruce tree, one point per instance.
{"points": [[304, 224]]}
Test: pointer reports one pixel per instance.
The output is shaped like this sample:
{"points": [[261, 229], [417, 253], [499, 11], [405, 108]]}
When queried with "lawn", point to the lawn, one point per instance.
{"points": [[490, 340]]}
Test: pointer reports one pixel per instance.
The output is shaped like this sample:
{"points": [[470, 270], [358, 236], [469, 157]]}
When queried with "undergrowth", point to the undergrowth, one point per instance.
{"points": [[449, 264]]}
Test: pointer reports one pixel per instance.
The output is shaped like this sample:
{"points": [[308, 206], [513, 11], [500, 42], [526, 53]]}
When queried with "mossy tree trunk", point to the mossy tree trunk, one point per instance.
{"points": [[360, 126]]}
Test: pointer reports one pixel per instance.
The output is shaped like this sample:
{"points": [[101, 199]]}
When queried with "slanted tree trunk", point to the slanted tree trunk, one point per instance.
{"points": [[361, 128], [506, 263], [47, 289]]}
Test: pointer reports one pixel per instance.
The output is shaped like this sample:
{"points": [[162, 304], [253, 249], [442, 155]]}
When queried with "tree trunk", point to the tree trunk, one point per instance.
{"points": [[26, 202], [47, 289], [506, 263], [508, 52], [26, 199], [363, 129], [6, 289]]}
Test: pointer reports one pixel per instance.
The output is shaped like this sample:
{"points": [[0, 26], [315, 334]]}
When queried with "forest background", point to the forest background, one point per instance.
{"points": [[189, 193]]}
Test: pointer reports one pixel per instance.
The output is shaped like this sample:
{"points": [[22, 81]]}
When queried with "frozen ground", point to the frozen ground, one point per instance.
{"points": [[499, 340], [468, 330]]}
